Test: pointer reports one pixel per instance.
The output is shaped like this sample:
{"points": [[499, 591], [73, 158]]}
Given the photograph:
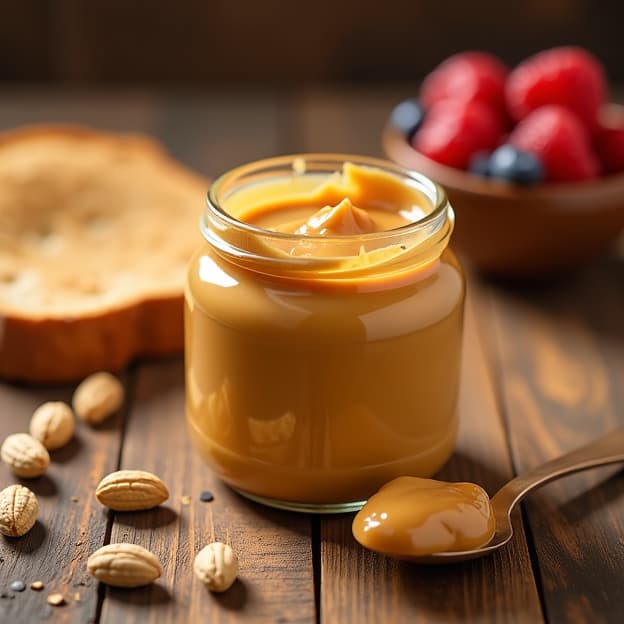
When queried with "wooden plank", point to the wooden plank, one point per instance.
{"points": [[71, 522], [560, 352], [360, 586], [275, 582]]}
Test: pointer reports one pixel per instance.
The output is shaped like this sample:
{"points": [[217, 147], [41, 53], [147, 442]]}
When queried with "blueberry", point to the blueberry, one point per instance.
{"points": [[480, 164], [514, 165], [407, 117]]}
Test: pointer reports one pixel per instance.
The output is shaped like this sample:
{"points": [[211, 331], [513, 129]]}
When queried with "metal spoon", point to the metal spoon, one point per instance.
{"points": [[606, 450]]}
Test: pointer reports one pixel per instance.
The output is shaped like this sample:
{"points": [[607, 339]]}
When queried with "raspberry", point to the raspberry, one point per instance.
{"points": [[560, 142], [567, 76], [466, 77], [610, 141], [453, 131]]}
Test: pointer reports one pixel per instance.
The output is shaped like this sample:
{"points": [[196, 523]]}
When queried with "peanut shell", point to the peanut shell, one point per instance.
{"points": [[25, 456], [124, 565], [52, 424], [18, 510], [131, 490], [99, 396]]}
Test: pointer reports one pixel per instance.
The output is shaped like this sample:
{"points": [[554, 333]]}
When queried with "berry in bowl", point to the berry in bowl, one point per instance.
{"points": [[532, 159]]}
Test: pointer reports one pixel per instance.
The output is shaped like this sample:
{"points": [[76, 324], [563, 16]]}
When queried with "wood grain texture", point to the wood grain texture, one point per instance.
{"points": [[360, 586], [560, 351], [274, 548], [71, 523]]}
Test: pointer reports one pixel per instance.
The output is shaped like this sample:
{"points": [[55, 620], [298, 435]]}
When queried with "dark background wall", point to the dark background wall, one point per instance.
{"points": [[147, 41]]}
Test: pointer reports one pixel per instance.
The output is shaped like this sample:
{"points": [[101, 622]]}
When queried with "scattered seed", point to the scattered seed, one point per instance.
{"points": [[17, 586], [186, 500], [36, 585], [4, 595], [74, 499], [77, 596], [56, 600], [206, 496]]}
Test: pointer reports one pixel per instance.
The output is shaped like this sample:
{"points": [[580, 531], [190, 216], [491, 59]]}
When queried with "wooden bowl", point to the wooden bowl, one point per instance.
{"points": [[514, 231]]}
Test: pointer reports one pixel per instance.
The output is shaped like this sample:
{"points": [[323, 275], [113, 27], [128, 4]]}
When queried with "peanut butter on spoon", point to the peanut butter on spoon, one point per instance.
{"points": [[410, 516]]}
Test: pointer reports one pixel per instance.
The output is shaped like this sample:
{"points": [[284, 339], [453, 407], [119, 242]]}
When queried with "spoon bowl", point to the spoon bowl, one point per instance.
{"points": [[606, 450]]}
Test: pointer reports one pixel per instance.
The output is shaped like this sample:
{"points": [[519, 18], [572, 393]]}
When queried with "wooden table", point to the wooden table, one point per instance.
{"points": [[543, 373]]}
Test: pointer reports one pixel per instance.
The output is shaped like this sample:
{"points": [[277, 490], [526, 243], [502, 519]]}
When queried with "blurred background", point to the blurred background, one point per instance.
{"points": [[222, 82], [197, 42]]}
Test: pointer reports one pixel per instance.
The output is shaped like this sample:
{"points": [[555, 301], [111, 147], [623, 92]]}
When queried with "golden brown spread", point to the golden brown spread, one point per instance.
{"points": [[371, 194], [315, 394], [340, 207], [412, 517], [345, 218]]}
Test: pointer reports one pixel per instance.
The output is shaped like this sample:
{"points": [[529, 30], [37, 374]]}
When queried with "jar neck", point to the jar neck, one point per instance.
{"points": [[399, 255]]}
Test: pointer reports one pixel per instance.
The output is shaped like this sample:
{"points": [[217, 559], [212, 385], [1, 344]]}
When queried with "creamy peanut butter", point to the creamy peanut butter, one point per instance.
{"points": [[345, 218], [413, 517], [323, 343]]}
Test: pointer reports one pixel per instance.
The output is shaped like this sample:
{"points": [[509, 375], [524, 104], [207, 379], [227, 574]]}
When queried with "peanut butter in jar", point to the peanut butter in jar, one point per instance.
{"points": [[323, 330]]}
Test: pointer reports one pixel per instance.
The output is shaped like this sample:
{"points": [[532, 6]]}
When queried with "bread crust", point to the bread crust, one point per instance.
{"points": [[53, 348]]}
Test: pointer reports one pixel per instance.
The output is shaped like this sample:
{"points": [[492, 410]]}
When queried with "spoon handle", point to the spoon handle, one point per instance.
{"points": [[606, 450]]}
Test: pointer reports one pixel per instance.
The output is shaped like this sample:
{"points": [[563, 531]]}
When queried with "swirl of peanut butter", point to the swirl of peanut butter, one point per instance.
{"points": [[330, 218], [356, 200], [344, 218]]}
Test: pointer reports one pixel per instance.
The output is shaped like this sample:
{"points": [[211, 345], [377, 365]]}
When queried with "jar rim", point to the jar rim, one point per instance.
{"points": [[313, 161]]}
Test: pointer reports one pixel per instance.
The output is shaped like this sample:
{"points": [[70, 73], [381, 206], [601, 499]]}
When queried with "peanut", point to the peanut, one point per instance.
{"points": [[18, 510], [131, 490], [124, 565], [216, 566], [25, 456], [52, 424], [99, 396]]}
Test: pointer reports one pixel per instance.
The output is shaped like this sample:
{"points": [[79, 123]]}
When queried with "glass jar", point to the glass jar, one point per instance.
{"points": [[312, 379]]}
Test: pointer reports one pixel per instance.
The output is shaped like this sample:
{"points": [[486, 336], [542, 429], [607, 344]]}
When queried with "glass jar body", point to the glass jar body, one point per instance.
{"points": [[311, 399]]}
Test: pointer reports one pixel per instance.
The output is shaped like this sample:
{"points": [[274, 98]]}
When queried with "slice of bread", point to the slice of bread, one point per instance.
{"points": [[96, 230]]}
